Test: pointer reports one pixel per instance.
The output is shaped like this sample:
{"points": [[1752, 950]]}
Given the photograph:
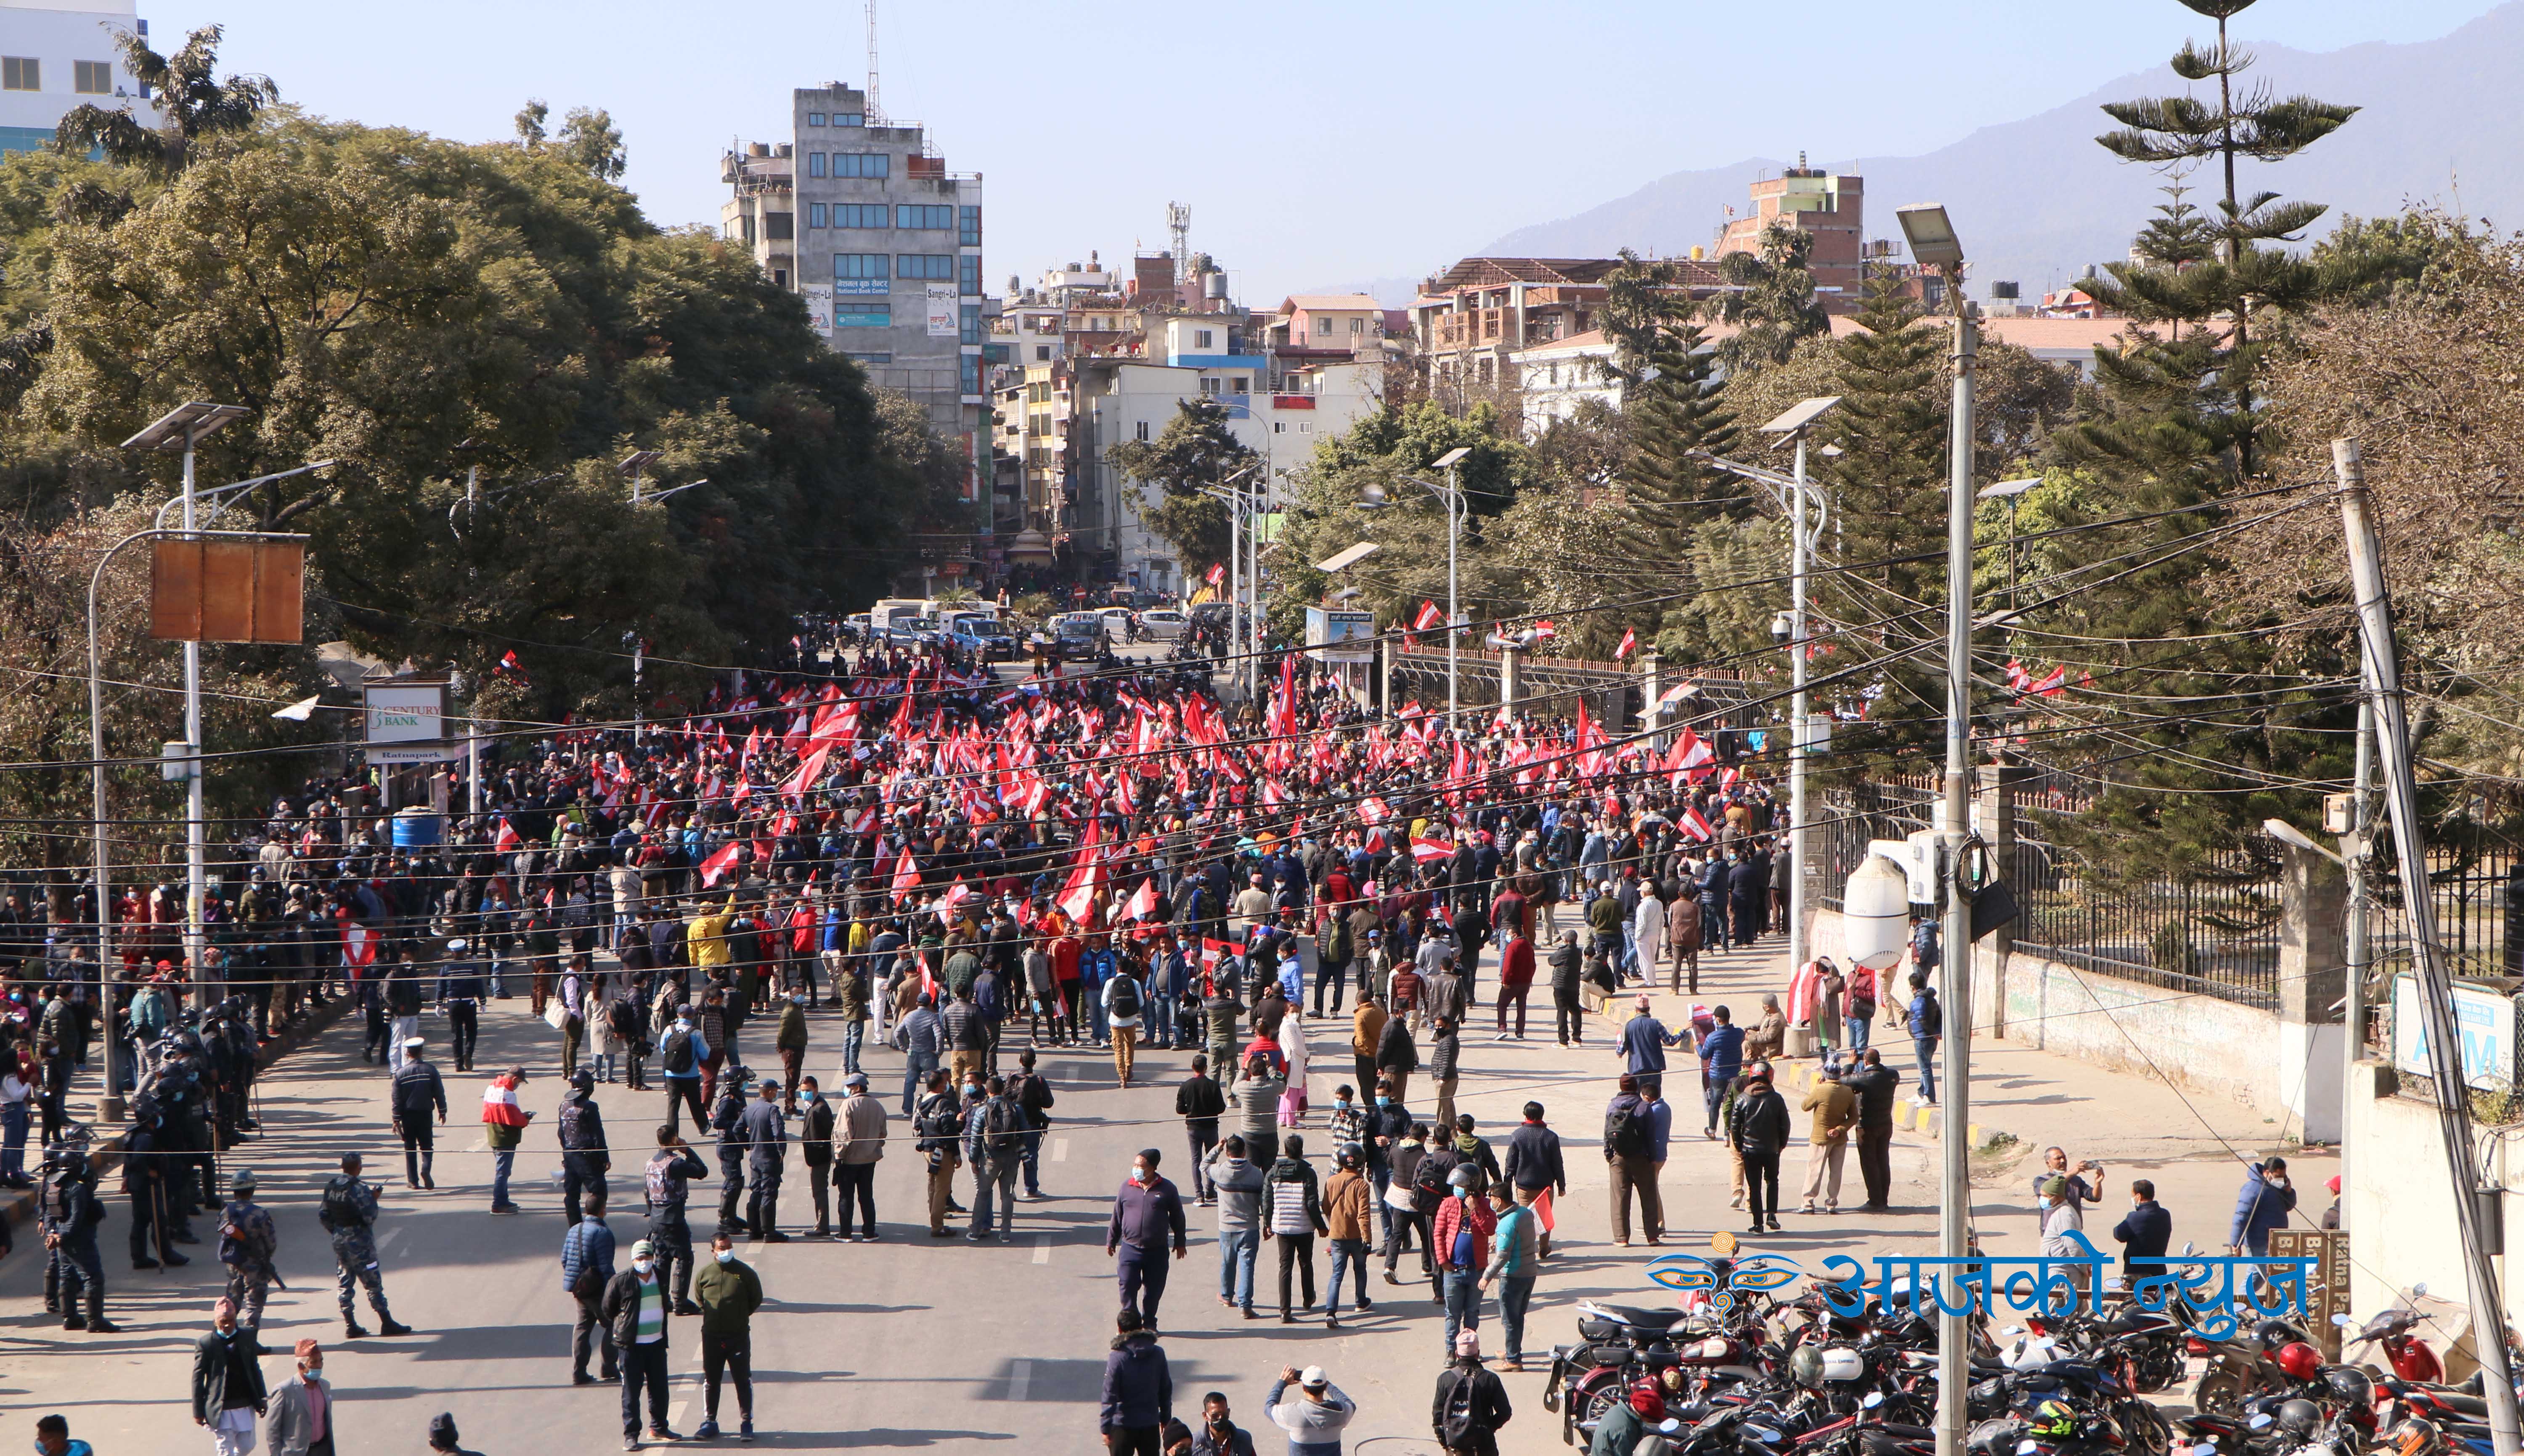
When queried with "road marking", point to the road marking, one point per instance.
{"points": [[675, 1413], [1020, 1378], [1060, 1149], [388, 1241], [1043, 1250]]}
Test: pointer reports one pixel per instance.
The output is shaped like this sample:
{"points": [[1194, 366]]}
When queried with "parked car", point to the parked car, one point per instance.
{"points": [[998, 643], [1163, 623], [1079, 637]]}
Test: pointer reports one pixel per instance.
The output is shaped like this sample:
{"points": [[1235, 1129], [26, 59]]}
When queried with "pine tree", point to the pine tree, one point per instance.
{"points": [[1886, 491], [2179, 425], [1770, 298], [1676, 411]]}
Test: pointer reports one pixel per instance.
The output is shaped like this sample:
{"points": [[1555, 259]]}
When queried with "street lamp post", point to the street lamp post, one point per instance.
{"points": [[1451, 495], [109, 1106], [181, 429], [1228, 493], [1806, 511], [1933, 244]]}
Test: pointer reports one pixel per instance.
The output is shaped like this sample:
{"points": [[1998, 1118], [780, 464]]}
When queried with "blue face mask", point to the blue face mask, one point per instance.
{"points": [[1383, 1102]]}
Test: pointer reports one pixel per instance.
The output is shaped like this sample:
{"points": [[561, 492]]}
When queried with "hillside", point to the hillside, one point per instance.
{"points": [[2036, 200]]}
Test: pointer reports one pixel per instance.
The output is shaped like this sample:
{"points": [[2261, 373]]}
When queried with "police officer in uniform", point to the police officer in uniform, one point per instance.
{"points": [[349, 1212], [766, 1144], [583, 1157], [466, 983], [727, 1119], [667, 1183], [248, 1243], [70, 1231], [144, 1181]]}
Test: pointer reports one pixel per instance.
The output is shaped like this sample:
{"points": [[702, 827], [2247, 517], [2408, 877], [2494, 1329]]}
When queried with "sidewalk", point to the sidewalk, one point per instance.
{"points": [[2024, 1101]]}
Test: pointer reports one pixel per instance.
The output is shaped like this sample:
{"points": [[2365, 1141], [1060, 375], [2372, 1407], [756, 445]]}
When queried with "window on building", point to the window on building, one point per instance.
{"points": [[854, 311], [1305, 427], [937, 268], [1200, 338], [814, 164], [1357, 326], [1324, 328], [849, 118], [1143, 430], [92, 77], [1241, 384], [968, 227], [861, 214], [20, 73], [910, 215], [969, 328], [1278, 426], [861, 164], [814, 214], [814, 119], [777, 226], [1209, 386], [968, 275], [779, 277], [972, 372], [846, 265], [1043, 352]]}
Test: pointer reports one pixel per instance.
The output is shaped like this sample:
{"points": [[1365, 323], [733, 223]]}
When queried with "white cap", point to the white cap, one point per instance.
{"points": [[1313, 1378], [456, 945], [416, 1041]]}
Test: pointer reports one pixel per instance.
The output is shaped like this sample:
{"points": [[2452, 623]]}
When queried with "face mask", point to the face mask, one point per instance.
{"points": [[641, 1265], [1139, 1176], [1342, 1102], [1383, 1102], [724, 1255]]}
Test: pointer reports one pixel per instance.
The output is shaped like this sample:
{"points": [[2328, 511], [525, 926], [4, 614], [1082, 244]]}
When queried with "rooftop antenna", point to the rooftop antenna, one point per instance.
{"points": [[1179, 221], [875, 113]]}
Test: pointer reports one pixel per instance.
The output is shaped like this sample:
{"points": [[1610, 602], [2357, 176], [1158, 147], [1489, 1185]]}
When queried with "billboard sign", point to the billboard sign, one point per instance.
{"points": [[942, 311]]}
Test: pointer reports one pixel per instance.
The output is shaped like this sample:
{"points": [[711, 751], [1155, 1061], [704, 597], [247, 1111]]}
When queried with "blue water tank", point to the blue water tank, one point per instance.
{"points": [[415, 828]]}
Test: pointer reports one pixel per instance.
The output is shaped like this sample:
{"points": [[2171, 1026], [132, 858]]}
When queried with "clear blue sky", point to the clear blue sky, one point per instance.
{"points": [[1315, 141]]}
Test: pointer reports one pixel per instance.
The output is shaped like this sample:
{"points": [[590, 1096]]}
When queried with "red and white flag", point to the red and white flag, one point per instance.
{"points": [[1697, 826], [1429, 851], [1544, 631], [1217, 574], [719, 864], [507, 842], [1429, 618], [1629, 645], [1143, 903], [906, 875]]}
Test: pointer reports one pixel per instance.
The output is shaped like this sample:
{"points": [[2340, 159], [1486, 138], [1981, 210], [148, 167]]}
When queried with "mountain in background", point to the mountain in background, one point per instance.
{"points": [[2037, 200]]}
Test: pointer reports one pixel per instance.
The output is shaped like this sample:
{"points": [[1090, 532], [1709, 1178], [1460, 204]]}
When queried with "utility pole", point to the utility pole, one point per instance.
{"points": [[1933, 244], [2476, 1209], [2352, 857]]}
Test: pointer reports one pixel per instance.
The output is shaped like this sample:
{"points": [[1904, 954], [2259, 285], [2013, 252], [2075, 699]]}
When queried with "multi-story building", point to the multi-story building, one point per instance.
{"points": [[1831, 211], [1470, 320], [1555, 378], [56, 55], [861, 216]]}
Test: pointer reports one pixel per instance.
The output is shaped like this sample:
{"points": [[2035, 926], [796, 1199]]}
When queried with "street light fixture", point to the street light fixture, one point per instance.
{"points": [[1931, 235], [636, 464], [1451, 494]]}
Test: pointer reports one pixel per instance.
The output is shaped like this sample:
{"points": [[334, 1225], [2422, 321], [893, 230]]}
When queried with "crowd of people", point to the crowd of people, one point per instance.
{"points": [[970, 873]]}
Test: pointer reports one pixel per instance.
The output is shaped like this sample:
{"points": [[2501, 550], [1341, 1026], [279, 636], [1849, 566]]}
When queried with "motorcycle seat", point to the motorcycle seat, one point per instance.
{"points": [[1646, 1318], [2470, 1405]]}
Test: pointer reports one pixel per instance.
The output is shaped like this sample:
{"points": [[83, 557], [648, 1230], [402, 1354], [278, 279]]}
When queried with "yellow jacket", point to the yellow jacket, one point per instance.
{"points": [[705, 937]]}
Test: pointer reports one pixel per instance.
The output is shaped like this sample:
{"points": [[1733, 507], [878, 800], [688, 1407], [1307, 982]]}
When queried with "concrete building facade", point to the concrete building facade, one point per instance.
{"points": [[58, 55], [861, 216]]}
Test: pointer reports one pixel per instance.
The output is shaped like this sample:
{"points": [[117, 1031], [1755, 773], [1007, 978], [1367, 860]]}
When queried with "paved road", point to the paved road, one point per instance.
{"points": [[907, 1343]]}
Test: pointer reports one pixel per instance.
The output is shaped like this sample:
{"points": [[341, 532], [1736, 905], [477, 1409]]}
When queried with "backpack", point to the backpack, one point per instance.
{"points": [[677, 1057], [1004, 1127], [1429, 1180], [1126, 997], [1456, 1428], [1627, 1133], [338, 1212], [939, 1125], [660, 1187]]}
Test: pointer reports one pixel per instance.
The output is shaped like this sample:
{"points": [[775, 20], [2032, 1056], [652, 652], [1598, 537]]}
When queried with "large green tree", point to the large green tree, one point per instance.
{"points": [[1170, 475]]}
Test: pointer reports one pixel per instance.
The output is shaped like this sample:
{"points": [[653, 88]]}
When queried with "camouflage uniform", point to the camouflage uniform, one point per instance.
{"points": [[247, 1244], [349, 1212]]}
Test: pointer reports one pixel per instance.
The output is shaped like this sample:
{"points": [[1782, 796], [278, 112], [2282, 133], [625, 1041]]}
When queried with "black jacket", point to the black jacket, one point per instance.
{"points": [[1760, 1121], [1533, 1159], [1395, 1051], [582, 1132], [1200, 1102], [2147, 1229], [1875, 1086], [815, 1135], [1491, 1409], [621, 1305]]}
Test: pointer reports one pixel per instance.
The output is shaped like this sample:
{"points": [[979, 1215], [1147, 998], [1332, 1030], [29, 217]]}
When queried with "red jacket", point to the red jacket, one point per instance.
{"points": [[1451, 1215], [1516, 963]]}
